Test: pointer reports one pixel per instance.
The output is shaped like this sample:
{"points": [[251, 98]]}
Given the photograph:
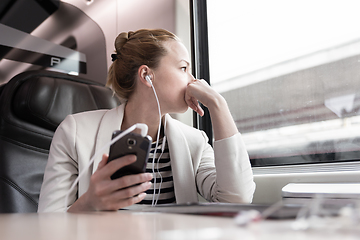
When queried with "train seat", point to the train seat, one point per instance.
{"points": [[32, 104]]}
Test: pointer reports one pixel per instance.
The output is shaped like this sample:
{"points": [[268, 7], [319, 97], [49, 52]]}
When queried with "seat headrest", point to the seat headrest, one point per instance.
{"points": [[46, 101]]}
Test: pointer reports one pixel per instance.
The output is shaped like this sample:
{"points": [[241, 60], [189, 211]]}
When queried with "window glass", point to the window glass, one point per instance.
{"points": [[290, 72]]}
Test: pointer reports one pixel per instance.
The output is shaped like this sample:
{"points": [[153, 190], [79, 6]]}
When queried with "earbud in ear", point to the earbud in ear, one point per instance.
{"points": [[148, 78]]}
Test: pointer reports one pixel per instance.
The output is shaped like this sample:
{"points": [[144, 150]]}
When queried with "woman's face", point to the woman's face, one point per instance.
{"points": [[172, 76]]}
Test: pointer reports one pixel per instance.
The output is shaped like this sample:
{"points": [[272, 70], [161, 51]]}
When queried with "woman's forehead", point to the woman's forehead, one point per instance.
{"points": [[177, 50]]}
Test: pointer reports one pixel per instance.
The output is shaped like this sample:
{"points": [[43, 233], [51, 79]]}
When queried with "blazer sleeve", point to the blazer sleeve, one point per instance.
{"points": [[230, 179], [61, 169]]}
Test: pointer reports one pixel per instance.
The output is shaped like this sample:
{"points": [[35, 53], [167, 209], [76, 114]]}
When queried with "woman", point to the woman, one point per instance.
{"points": [[192, 166]]}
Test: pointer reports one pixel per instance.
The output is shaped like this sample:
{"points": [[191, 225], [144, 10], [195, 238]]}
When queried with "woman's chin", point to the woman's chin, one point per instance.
{"points": [[185, 109], [181, 110]]}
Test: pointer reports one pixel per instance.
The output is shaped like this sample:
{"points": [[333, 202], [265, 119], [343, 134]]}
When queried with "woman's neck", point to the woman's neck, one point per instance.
{"points": [[141, 113]]}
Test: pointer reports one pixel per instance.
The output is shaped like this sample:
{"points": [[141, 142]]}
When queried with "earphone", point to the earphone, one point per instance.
{"points": [[148, 79]]}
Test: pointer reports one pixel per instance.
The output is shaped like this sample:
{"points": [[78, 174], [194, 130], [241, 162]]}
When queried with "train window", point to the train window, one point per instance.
{"points": [[290, 72]]}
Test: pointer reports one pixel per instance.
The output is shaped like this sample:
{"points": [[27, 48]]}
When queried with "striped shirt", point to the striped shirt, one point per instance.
{"points": [[163, 176]]}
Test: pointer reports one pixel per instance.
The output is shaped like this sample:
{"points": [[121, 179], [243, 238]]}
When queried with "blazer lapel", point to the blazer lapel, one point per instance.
{"points": [[110, 122], [181, 163]]}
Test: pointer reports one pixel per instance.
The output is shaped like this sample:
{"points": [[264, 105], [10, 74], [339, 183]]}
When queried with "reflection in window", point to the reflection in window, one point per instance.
{"points": [[290, 72]]}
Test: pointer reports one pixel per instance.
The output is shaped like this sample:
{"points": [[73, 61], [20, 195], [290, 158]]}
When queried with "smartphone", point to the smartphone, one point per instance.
{"points": [[131, 143]]}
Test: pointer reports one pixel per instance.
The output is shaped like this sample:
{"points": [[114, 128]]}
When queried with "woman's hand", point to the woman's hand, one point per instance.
{"points": [[200, 90], [107, 194], [222, 121]]}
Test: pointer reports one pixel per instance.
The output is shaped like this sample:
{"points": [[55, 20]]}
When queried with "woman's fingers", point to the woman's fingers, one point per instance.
{"points": [[197, 106], [200, 90], [132, 191], [123, 197], [109, 168], [196, 91], [131, 195], [131, 180], [104, 173], [107, 194], [194, 105], [103, 161], [126, 202]]}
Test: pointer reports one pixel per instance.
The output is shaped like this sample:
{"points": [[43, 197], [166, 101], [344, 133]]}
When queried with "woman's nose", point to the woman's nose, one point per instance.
{"points": [[191, 78]]}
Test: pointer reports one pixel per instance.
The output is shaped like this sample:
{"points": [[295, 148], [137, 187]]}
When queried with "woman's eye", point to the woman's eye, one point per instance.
{"points": [[183, 69]]}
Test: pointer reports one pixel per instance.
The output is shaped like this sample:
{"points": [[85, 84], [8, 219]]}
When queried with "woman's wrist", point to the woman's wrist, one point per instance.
{"points": [[217, 104], [221, 118], [80, 205]]}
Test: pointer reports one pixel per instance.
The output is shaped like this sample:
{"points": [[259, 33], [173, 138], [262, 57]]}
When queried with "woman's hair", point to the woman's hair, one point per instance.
{"points": [[133, 49]]}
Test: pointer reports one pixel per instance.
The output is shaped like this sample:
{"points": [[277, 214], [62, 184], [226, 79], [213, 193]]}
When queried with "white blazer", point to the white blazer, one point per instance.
{"points": [[220, 175]]}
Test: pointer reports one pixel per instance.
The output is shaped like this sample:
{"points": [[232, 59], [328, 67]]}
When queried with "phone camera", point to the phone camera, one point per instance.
{"points": [[131, 142]]}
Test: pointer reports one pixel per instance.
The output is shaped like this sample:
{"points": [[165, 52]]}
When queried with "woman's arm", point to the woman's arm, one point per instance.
{"points": [[230, 177], [233, 179], [103, 192]]}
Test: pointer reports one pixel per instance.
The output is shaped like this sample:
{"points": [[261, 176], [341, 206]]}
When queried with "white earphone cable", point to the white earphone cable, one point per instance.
{"points": [[156, 146], [157, 166]]}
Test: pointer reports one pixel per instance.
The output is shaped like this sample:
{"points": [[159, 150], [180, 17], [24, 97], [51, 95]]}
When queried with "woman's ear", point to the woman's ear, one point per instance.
{"points": [[145, 75]]}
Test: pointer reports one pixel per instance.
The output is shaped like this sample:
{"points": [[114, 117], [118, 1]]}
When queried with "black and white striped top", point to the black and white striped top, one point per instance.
{"points": [[163, 175]]}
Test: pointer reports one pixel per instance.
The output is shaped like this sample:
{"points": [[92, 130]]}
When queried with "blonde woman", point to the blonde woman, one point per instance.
{"points": [[188, 165]]}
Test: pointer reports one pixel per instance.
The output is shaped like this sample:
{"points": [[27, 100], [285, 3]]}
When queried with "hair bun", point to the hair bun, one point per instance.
{"points": [[121, 39], [130, 34]]}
